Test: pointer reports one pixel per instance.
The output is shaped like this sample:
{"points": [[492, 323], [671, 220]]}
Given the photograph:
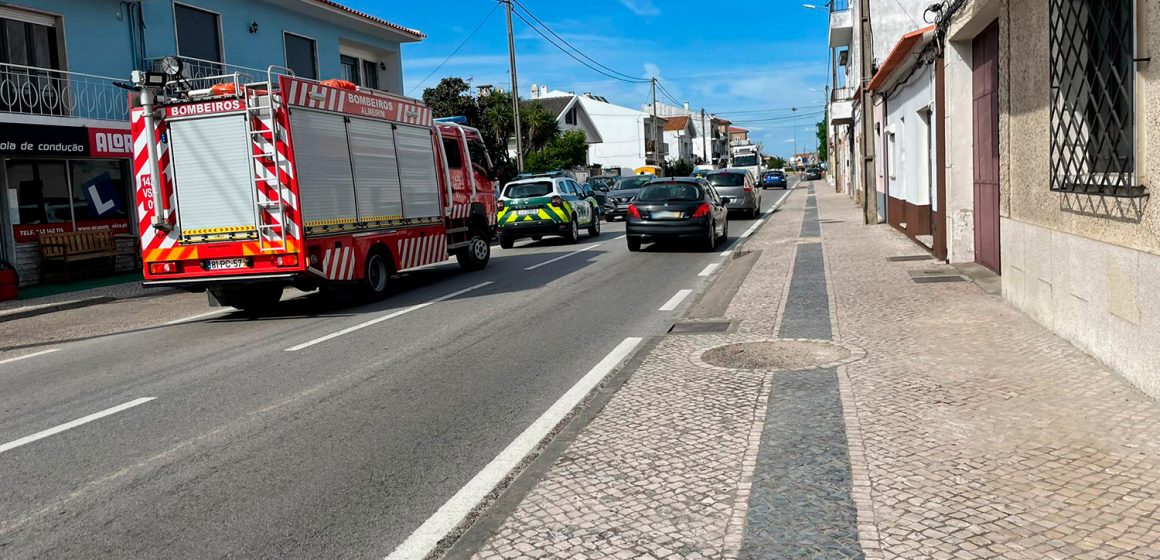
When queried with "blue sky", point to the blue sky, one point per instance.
{"points": [[746, 60]]}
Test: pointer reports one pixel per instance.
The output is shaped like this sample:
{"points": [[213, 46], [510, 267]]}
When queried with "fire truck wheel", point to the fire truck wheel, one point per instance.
{"points": [[476, 254], [378, 275]]}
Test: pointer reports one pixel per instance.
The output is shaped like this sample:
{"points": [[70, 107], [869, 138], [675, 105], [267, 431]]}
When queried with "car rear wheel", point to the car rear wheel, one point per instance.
{"points": [[573, 233], [633, 244], [506, 241], [711, 242]]}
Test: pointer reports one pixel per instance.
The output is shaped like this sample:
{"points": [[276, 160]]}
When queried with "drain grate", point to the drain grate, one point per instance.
{"points": [[934, 272], [699, 327], [905, 258], [830, 221], [937, 279]]}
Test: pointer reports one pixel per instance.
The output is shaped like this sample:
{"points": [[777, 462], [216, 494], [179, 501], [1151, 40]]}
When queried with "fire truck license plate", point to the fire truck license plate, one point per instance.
{"points": [[223, 264]]}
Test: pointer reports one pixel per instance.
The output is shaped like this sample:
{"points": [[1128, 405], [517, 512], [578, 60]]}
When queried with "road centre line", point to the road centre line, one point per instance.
{"points": [[26, 356], [69, 425], [709, 269], [421, 542], [562, 257], [676, 300], [386, 317]]}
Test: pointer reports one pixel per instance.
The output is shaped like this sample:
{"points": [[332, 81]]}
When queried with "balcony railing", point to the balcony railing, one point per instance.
{"points": [[201, 74], [843, 94], [27, 90]]}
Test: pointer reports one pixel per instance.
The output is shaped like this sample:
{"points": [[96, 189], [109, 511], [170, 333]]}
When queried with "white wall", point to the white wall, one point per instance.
{"points": [[912, 179], [622, 134], [960, 145], [891, 19]]}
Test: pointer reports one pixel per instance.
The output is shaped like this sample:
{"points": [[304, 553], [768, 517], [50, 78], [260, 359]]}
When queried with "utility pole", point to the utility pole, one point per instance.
{"points": [[796, 161], [516, 89], [704, 138], [656, 129]]}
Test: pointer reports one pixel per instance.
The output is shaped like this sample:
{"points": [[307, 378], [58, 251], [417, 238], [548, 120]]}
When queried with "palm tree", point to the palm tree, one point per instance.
{"points": [[539, 127]]}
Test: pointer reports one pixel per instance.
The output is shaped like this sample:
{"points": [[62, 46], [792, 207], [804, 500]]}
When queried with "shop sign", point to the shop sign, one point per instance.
{"points": [[19, 139], [31, 232]]}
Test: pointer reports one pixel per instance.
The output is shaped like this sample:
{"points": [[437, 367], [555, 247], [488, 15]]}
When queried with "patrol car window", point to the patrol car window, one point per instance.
{"points": [[568, 189], [454, 158], [525, 190]]}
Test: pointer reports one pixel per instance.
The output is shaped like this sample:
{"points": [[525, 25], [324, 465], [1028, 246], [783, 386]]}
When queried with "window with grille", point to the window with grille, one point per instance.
{"points": [[1093, 128]]}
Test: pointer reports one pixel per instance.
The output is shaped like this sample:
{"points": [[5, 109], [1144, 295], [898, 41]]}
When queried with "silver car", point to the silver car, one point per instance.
{"points": [[741, 189]]}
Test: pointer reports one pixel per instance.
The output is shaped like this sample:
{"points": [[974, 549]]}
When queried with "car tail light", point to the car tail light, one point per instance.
{"points": [[163, 268], [633, 212], [286, 260], [499, 204], [702, 210], [748, 187], [557, 201]]}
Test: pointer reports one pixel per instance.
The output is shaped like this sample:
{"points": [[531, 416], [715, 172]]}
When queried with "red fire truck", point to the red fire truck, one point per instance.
{"points": [[244, 188]]}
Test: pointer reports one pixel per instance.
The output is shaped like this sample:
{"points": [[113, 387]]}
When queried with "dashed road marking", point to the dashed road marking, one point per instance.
{"points": [[70, 425], [676, 300]]}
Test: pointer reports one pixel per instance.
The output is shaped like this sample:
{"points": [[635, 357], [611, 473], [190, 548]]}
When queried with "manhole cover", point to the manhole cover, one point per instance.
{"points": [[779, 354]]}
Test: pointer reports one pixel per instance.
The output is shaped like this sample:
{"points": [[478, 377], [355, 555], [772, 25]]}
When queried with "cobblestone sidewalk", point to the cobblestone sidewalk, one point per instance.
{"points": [[965, 431]]}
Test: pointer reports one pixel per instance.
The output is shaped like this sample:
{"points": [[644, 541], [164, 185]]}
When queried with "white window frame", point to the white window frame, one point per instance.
{"points": [[286, 52]]}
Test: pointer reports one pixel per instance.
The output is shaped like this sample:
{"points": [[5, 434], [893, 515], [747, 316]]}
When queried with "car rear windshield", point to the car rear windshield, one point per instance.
{"points": [[776, 173], [632, 183], [527, 190], [663, 192], [727, 180]]}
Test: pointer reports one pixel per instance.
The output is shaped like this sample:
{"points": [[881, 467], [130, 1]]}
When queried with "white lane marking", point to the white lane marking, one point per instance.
{"points": [[562, 257], [452, 513], [676, 300], [26, 356], [200, 316], [709, 269], [621, 237], [726, 253], [70, 425], [767, 214], [388, 316]]}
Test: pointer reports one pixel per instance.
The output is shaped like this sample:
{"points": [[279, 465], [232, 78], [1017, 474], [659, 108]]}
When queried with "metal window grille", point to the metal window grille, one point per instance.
{"points": [[1093, 128]]}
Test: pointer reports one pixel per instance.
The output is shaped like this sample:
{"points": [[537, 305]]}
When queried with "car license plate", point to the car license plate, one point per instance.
{"points": [[667, 215], [225, 264], [527, 212]]}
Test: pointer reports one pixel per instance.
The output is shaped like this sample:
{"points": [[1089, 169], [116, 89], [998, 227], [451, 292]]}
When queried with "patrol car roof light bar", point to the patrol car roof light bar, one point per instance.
{"points": [[147, 84]]}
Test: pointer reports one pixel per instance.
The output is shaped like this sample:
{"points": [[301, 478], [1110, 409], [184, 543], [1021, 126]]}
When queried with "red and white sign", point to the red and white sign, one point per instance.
{"points": [[210, 107], [313, 95], [110, 143]]}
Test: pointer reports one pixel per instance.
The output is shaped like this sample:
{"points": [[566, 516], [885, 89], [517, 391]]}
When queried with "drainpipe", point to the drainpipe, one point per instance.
{"points": [[869, 194]]}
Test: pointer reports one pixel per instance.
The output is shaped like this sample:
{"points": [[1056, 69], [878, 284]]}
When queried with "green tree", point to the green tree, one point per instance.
{"points": [[563, 151], [677, 168], [776, 162], [823, 147], [452, 97]]}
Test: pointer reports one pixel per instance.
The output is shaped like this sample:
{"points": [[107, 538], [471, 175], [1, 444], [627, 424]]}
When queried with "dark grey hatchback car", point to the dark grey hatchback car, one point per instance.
{"points": [[685, 208]]}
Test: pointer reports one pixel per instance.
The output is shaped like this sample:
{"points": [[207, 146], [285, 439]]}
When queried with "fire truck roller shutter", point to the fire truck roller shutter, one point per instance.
{"points": [[417, 169], [376, 175], [211, 158], [322, 158]]}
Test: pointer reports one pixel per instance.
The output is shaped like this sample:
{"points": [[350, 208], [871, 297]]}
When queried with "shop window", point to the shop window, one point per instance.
{"points": [[301, 57], [1093, 120], [68, 195]]}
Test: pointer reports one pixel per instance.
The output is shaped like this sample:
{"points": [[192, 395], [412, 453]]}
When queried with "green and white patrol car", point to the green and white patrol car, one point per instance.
{"points": [[542, 206]]}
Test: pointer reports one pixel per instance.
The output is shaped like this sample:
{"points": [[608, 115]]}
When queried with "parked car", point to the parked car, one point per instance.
{"points": [[622, 193], [738, 185], [600, 185], [813, 173], [545, 206], [680, 208], [774, 179]]}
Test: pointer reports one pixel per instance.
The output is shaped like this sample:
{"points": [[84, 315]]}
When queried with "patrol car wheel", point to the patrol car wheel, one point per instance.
{"points": [[475, 255], [594, 229], [377, 276], [506, 242], [573, 234]]}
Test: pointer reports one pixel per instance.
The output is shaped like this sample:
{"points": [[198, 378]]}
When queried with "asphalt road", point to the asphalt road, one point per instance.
{"points": [[264, 440]]}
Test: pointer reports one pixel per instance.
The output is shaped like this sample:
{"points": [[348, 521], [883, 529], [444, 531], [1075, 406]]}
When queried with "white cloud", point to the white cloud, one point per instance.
{"points": [[788, 141], [641, 7]]}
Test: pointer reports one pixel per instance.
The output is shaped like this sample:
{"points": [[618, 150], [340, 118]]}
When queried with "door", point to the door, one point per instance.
{"points": [[579, 203], [985, 95]]}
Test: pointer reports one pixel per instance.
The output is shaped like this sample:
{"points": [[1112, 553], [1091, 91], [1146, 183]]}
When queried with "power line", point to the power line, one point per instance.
{"points": [[667, 94], [453, 53], [574, 57], [565, 41], [772, 110]]}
